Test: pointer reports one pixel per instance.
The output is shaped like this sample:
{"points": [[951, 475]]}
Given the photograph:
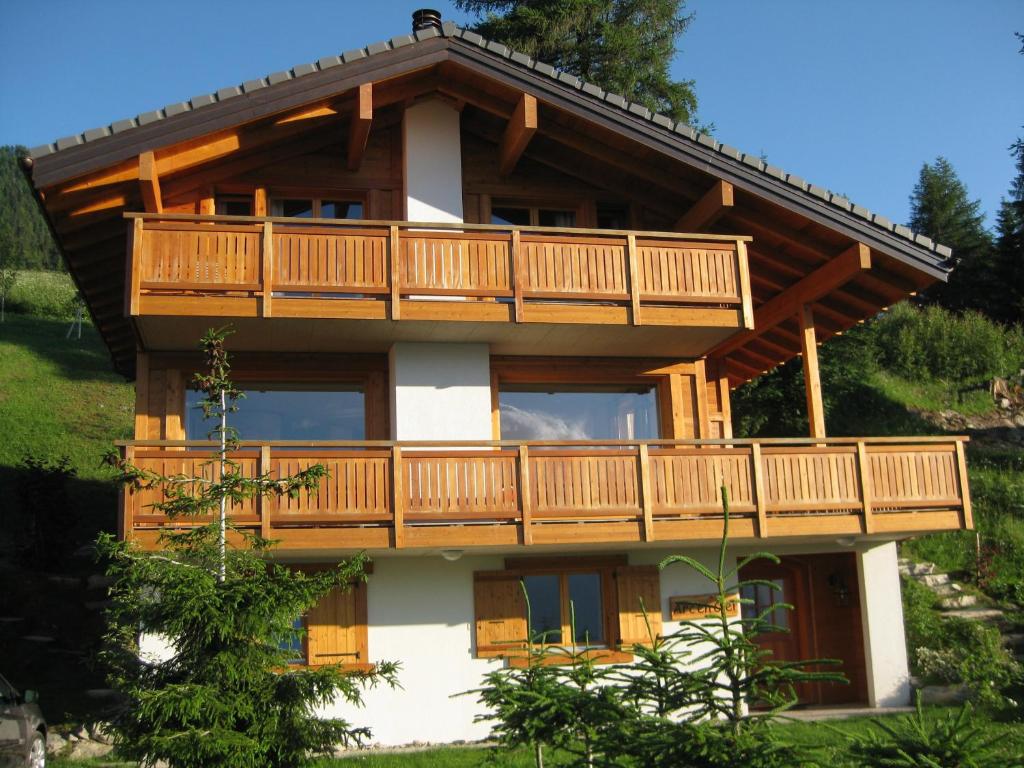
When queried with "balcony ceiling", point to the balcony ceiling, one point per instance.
{"points": [[810, 246]]}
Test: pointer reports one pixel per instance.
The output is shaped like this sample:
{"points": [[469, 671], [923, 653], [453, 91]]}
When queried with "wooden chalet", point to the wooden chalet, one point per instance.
{"points": [[506, 309]]}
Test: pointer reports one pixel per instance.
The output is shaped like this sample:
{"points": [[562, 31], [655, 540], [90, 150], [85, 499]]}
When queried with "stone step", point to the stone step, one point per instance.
{"points": [[918, 569], [959, 601], [946, 590], [1014, 640], [934, 579], [974, 614]]}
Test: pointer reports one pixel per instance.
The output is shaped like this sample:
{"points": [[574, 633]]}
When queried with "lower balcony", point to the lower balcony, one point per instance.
{"points": [[383, 495]]}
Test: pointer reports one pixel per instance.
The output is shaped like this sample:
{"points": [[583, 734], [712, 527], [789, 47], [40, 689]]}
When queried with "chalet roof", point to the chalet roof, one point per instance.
{"points": [[73, 155]]}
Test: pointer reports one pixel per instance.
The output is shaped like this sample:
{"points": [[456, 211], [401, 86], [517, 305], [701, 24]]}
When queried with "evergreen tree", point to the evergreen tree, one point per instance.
{"points": [[226, 694], [25, 239], [1008, 266], [941, 209], [624, 46]]}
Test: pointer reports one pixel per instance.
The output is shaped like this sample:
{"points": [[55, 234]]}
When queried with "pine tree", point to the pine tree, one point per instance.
{"points": [[226, 694], [1008, 266], [624, 46], [941, 209], [25, 239]]}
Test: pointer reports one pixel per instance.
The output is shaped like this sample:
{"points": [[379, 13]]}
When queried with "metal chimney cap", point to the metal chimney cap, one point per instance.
{"points": [[425, 18]]}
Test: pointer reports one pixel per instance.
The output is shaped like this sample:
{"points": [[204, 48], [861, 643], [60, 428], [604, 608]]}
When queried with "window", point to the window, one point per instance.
{"points": [[294, 643], [612, 217], [233, 205], [335, 630], [600, 597], [288, 412], [316, 208], [583, 412], [763, 598], [532, 216]]}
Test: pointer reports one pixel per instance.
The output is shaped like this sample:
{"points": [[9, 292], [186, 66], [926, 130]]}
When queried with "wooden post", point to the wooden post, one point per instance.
{"points": [[126, 516], [965, 490], [141, 395], [134, 279], [266, 503], [646, 502], [259, 201], [398, 496], [812, 379], [394, 252], [743, 266], [634, 282], [518, 275], [760, 499], [700, 385], [864, 470], [268, 268], [525, 497]]}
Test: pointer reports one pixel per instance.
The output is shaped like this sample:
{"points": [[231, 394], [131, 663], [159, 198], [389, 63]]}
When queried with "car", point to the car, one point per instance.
{"points": [[22, 728]]}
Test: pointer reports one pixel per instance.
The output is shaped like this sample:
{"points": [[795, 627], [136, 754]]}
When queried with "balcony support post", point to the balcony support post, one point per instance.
{"points": [[518, 275], [634, 282], [267, 268], [525, 495], [265, 503], [394, 255], [126, 518], [812, 379], [646, 502], [398, 496], [864, 473], [743, 271], [760, 499], [965, 490], [134, 277]]}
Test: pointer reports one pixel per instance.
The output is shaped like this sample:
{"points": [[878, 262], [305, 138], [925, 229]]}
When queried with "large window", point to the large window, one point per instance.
{"points": [[288, 412], [532, 216], [583, 412], [561, 601]]}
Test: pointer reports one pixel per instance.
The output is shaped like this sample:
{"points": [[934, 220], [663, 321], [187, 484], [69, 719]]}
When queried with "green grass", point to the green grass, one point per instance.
{"points": [[934, 394], [44, 294], [827, 739]]}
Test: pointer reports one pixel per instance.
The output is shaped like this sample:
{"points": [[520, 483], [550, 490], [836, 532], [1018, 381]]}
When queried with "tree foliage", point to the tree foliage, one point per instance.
{"points": [[225, 692], [624, 46], [941, 208], [25, 239]]}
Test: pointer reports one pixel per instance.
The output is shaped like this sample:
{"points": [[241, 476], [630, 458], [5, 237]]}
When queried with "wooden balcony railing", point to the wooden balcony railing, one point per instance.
{"points": [[382, 494], [384, 270]]}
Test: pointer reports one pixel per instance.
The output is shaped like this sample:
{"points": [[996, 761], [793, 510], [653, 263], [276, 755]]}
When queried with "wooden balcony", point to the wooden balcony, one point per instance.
{"points": [[430, 280], [381, 495]]}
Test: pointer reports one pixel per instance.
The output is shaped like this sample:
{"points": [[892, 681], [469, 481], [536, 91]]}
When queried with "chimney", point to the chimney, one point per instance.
{"points": [[425, 18]]}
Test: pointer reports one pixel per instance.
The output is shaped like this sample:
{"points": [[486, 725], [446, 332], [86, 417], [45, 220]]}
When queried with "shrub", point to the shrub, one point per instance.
{"points": [[949, 741], [935, 343]]}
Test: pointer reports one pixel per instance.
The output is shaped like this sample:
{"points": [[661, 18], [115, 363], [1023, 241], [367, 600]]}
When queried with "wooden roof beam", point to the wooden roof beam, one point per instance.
{"points": [[520, 129], [149, 184], [708, 209], [814, 286], [359, 127]]}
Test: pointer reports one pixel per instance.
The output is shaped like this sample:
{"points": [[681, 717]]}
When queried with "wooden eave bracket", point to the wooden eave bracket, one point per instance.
{"points": [[809, 289], [520, 129], [359, 128], [149, 184], [708, 209]]}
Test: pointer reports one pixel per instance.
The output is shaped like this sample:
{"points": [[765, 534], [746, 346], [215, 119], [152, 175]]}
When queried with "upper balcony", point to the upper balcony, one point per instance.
{"points": [[380, 495], [520, 289]]}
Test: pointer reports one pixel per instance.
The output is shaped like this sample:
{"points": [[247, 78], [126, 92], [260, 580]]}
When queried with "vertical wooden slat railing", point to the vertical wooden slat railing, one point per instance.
{"points": [[527, 485]]}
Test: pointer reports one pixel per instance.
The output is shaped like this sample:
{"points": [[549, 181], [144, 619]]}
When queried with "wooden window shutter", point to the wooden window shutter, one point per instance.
{"points": [[500, 611], [336, 630], [635, 584]]}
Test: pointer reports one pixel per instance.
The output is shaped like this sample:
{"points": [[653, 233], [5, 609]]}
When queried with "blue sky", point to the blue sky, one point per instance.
{"points": [[852, 96]]}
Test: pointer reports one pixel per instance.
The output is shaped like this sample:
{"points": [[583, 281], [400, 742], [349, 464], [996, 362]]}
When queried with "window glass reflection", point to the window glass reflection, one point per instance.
{"points": [[339, 209], [302, 209], [585, 596], [515, 216], [540, 412], [287, 413], [545, 608]]}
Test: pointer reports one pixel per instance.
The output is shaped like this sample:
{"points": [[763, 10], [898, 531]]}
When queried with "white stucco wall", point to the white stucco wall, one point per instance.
{"points": [[440, 391], [433, 162], [885, 645]]}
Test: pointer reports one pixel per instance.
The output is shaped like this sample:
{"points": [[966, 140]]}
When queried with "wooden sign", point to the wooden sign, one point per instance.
{"points": [[689, 607]]}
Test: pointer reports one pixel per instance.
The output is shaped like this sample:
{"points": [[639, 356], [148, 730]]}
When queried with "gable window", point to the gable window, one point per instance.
{"points": [[532, 216], [317, 208], [288, 412], [578, 412], [544, 601]]}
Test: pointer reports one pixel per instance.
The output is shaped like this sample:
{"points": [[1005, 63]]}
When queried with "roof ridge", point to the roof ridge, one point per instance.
{"points": [[451, 30]]}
